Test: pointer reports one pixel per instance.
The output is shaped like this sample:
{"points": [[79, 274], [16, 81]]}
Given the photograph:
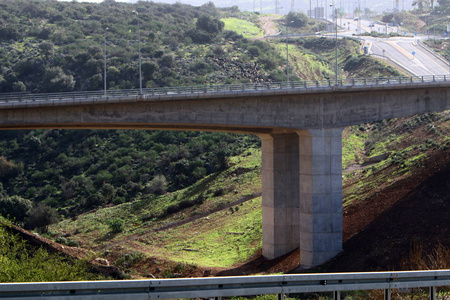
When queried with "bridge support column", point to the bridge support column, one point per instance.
{"points": [[280, 205], [320, 193]]}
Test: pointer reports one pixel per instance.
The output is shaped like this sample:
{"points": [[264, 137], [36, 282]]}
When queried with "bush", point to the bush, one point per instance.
{"points": [[158, 185], [26, 263], [7, 168], [42, 216], [296, 19], [117, 226], [129, 259], [15, 207]]}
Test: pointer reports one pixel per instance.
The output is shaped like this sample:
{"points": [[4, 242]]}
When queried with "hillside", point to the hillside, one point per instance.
{"points": [[170, 204], [210, 239]]}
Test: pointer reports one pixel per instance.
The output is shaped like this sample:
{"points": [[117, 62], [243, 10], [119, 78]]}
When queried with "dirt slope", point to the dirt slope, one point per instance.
{"points": [[419, 219]]}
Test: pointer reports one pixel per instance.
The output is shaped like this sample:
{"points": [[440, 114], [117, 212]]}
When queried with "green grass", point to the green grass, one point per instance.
{"points": [[21, 262], [353, 145], [305, 66], [221, 240], [243, 27]]}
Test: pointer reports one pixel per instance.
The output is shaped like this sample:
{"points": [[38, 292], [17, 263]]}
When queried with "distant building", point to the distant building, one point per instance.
{"points": [[317, 13]]}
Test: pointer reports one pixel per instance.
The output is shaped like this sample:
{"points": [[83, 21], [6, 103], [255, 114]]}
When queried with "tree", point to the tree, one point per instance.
{"points": [[167, 61], [41, 216], [158, 185], [15, 207], [7, 169], [296, 19], [149, 69], [55, 80], [19, 87], [210, 24], [47, 48]]}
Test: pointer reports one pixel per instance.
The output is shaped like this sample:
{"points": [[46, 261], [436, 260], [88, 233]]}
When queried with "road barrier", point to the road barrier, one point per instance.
{"points": [[217, 287], [230, 89]]}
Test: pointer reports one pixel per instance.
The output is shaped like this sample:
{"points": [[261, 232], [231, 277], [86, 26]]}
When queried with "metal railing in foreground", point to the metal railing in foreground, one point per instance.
{"points": [[216, 287], [224, 89]]}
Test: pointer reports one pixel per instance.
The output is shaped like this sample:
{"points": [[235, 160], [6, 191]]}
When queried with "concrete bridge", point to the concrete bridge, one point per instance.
{"points": [[300, 125]]}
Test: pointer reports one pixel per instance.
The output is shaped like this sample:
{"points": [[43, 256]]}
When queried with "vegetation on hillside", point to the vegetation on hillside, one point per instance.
{"points": [[129, 194], [52, 46], [21, 262], [59, 46], [78, 170]]}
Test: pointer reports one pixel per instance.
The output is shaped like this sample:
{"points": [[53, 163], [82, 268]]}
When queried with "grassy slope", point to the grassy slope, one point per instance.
{"points": [[238, 224], [246, 28]]}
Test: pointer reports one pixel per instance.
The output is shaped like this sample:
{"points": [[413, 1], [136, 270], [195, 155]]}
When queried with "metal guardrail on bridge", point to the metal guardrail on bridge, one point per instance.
{"points": [[229, 286], [149, 93]]}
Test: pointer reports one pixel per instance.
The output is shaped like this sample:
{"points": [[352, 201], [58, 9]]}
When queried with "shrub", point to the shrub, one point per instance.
{"points": [[15, 207], [158, 185], [129, 259], [117, 226], [42, 216], [27, 263], [7, 169]]}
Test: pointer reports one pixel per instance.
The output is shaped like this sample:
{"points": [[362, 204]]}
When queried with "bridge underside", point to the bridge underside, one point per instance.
{"points": [[301, 185], [302, 194]]}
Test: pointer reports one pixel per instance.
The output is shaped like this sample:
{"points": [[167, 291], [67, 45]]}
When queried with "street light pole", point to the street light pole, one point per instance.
{"points": [[287, 54], [335, 43], [104, 61], [139, 49], [287, 51]]}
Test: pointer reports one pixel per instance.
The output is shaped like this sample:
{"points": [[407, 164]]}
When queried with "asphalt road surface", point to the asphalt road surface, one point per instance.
{"points": [[407, 52]]}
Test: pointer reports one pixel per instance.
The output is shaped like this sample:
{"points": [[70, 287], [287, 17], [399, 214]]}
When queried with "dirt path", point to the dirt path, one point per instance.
{"points": [[268, 25]]}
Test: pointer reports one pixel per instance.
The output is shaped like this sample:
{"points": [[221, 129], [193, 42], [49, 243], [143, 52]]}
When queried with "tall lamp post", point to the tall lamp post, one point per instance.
{"points": [[335, 43], [139, 49], [287, 51], [104, 60], [287, 55]]}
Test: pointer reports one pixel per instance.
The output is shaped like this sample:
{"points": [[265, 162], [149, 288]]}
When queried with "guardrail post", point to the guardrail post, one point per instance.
{"points": [[433, 79], [432, 293], [336, 295], [387, 294]]}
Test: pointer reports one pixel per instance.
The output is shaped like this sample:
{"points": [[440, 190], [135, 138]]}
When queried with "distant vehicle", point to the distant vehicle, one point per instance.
{"points": [[371, 24], [356, 19]]}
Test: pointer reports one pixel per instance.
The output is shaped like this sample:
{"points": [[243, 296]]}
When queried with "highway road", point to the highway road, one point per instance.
{"points": [[407, 52]]}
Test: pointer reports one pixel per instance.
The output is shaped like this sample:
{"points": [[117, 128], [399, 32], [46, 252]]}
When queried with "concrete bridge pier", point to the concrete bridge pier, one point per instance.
{"points": [[302, 194], [280, 205]]}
